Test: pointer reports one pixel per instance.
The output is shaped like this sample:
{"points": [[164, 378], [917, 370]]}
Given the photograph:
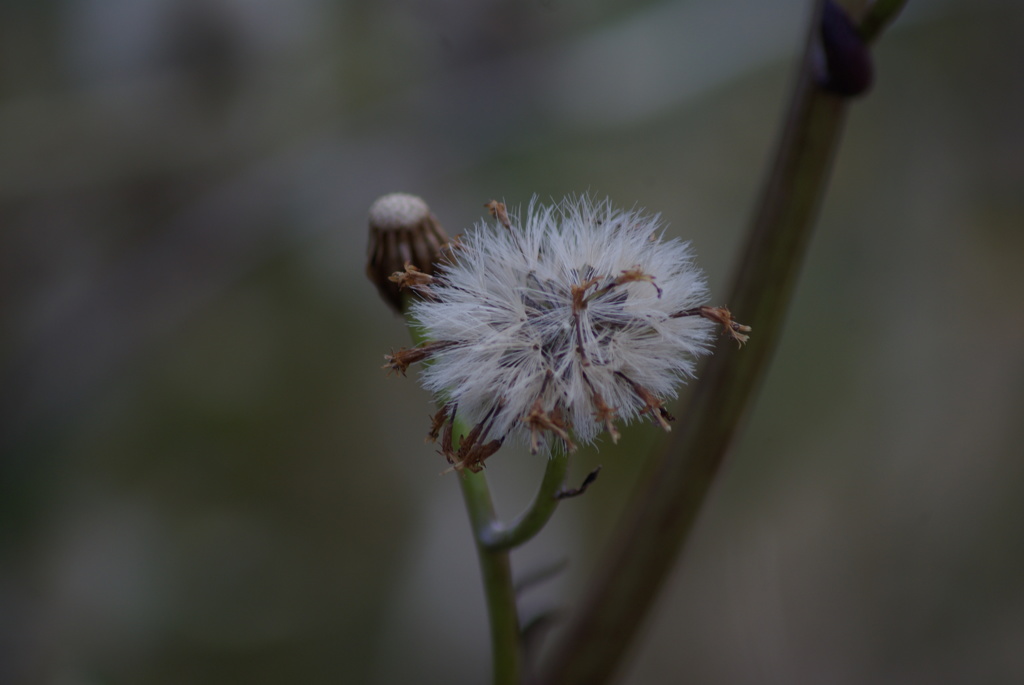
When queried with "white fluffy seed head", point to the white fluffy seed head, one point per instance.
{"points": [[573, 311]]}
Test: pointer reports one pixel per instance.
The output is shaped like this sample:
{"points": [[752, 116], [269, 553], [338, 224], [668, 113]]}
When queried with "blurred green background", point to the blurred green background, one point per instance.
{"points": [[206, 478]]}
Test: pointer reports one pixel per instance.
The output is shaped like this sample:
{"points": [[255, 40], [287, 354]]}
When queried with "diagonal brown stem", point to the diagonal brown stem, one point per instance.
{"points": [[666, 504]]}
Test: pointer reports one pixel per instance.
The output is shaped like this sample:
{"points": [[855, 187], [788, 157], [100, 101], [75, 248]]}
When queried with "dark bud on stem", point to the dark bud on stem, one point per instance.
{"points": [[844, 60], [402, 231]]}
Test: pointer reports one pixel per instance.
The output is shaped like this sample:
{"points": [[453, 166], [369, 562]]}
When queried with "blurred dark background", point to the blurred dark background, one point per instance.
{"points": [[206, 478]]}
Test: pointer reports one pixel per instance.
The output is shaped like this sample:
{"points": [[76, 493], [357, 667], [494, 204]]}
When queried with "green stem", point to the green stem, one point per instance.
{"points": [[495, 564], [493, 545], [493, 542], [496, 570], [880, 14], [533, 519], [665, 506]]}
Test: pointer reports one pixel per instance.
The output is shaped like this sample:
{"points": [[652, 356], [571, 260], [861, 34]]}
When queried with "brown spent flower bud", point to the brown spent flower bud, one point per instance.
{"points": [[402, 231]]}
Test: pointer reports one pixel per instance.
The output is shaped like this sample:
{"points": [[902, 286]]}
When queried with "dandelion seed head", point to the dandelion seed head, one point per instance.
{"points": [[563, 323]]}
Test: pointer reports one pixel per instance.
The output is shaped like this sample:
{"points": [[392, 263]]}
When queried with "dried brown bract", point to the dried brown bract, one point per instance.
{"points": [[498, 211], [405, 357], [472, 451], [723, 316], [438, 421], [539, 420], [413, 279]]}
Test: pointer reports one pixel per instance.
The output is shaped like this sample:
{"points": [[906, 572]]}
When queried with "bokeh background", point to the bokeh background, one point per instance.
{"points": [[206, 477]]}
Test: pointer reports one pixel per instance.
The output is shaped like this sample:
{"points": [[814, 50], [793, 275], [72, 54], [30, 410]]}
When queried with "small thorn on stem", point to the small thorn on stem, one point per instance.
{"points": [[566, 493]]}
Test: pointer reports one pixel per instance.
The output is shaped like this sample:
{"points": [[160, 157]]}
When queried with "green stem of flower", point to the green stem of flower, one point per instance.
{"points": [[532, 520], [496, 570], [494, 540], [665, 506], [493, 545], [495, 564]]}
